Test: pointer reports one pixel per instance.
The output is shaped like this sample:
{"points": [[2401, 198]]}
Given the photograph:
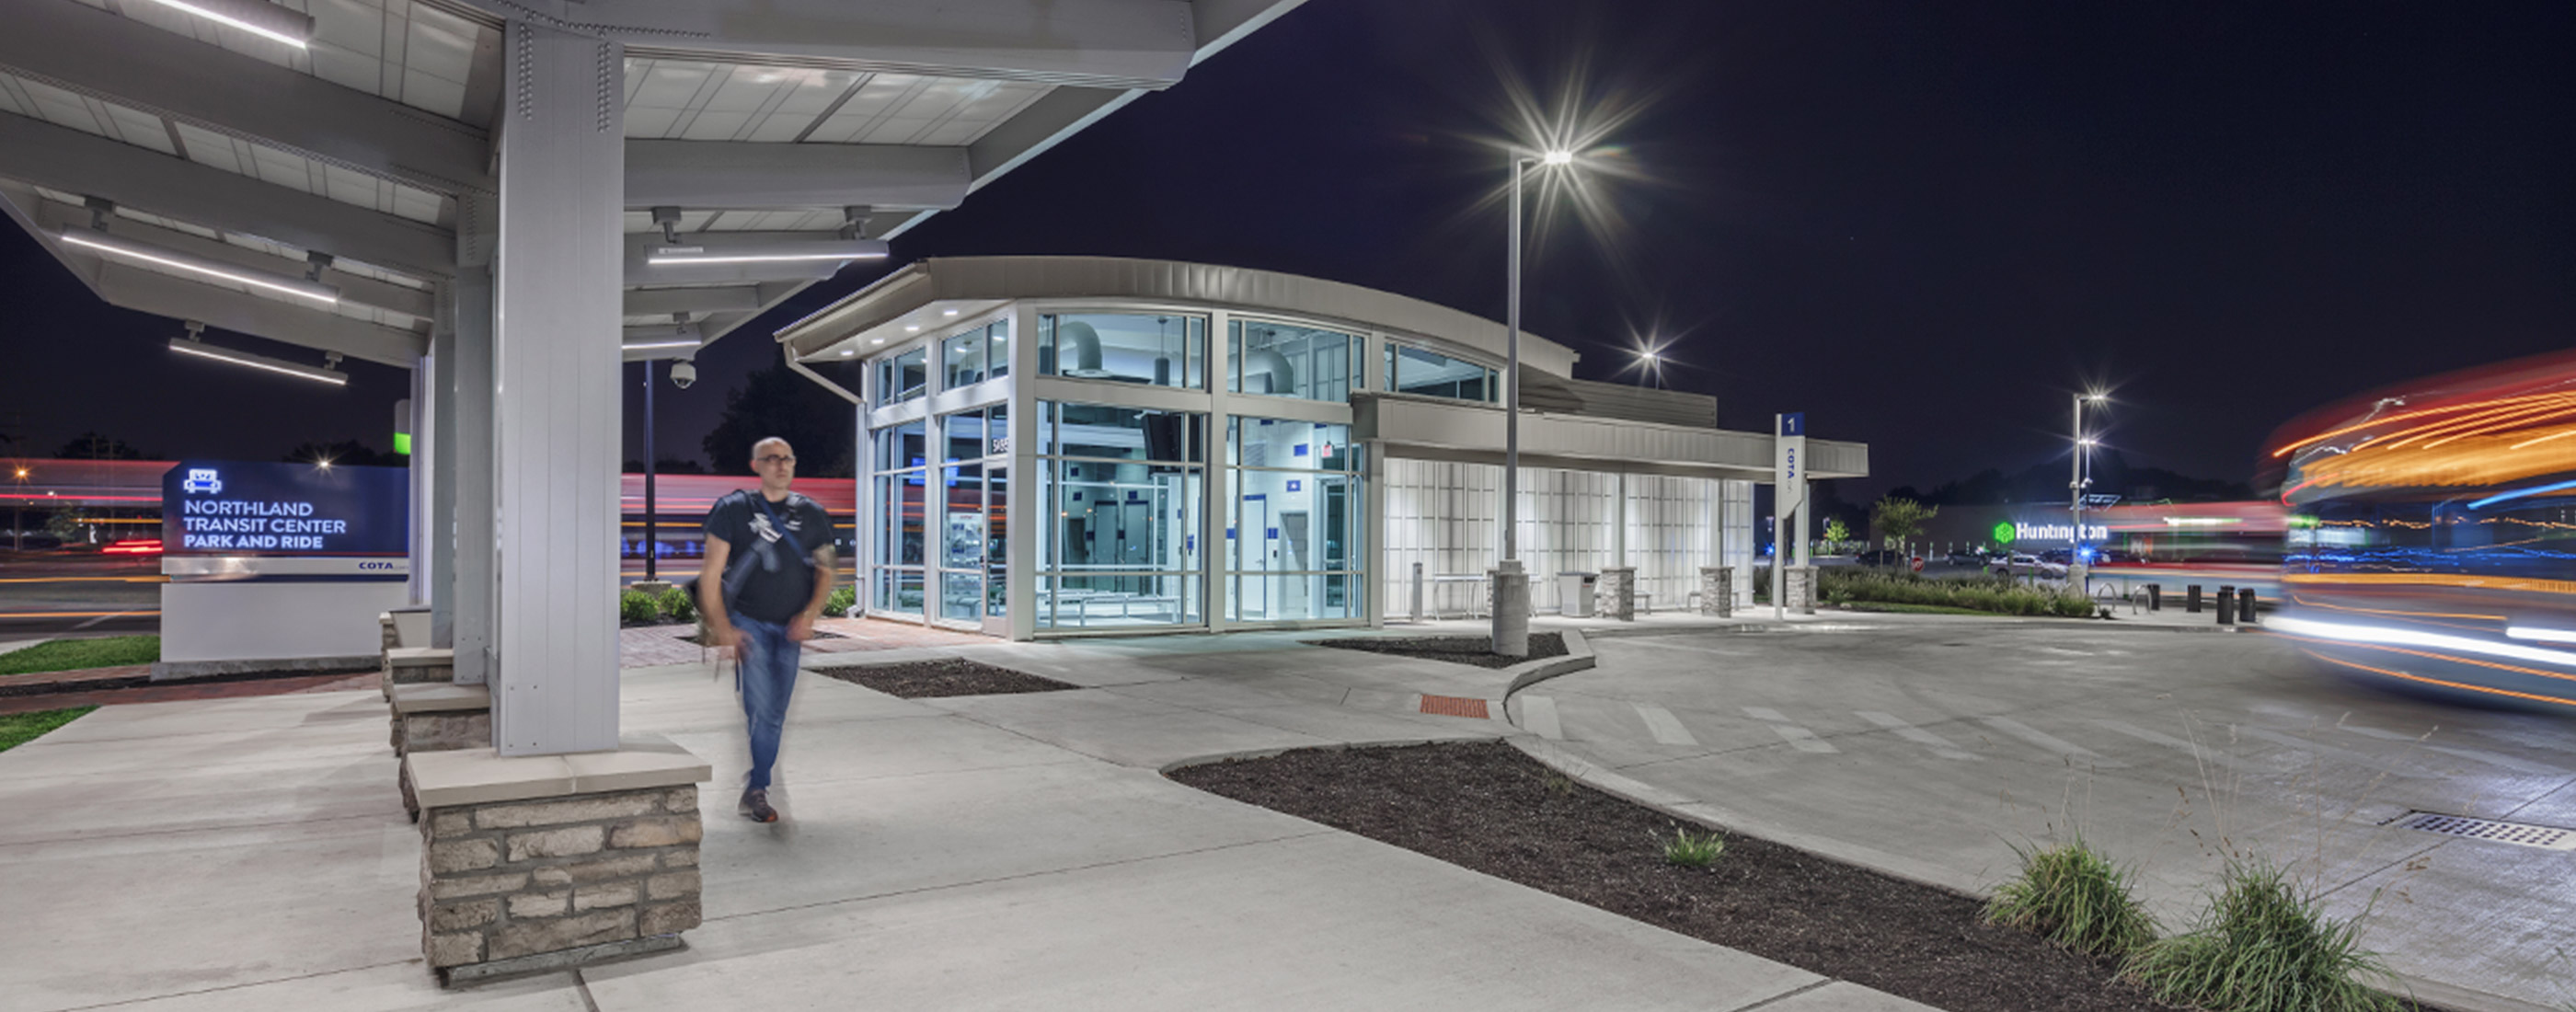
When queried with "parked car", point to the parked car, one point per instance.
{"points": [[1968, 557], [2024, 562], [1880, 557]]}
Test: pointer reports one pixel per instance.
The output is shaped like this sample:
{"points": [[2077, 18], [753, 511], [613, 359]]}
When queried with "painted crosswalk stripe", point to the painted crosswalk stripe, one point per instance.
{"points": [[1538, 713], [1940, 746], [1666, 728], [2205, 753], [1798, 737], [2302, 745], [2471, 754], [2050, 742]]}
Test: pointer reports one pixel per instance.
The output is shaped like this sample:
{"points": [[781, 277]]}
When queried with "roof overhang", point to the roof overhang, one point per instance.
{"points": [[900, 300]]}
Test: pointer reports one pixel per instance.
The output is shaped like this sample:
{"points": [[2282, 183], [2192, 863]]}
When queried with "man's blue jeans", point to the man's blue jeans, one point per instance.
{"points": [[768, 664]]}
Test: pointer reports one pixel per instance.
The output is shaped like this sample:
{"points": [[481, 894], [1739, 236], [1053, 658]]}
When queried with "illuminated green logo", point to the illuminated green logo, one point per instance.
{"points": [[2004, 533]]}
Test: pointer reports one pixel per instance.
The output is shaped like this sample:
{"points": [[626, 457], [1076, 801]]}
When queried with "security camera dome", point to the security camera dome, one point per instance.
{"points": [[683, 374]]}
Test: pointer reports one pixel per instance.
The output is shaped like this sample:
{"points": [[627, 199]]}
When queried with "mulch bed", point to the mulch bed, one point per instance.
{"points": [[1476, 650], [953, 676], [1488, 807]]}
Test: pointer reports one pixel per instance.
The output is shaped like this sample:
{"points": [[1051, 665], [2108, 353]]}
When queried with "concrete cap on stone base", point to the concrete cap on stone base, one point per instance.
{"points": [[420, 657], [441, 697], [482, 776]]}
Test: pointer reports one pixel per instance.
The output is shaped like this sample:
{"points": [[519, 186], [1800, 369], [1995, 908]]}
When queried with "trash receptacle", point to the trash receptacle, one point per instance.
{"points": [[1574, 594]]}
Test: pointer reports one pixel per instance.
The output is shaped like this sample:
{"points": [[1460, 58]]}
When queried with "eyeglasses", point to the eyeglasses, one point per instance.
{"points": [[774, 458]]}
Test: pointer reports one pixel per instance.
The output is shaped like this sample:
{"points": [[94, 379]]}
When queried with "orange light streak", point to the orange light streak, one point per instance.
{"points": [[2436, 681], [2434, 580], [2403, 415]]}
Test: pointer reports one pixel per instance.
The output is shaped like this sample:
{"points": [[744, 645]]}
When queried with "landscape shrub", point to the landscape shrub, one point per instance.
{"points": [[634, 607], [678, 605], [2074, 896], [2264, 945], [839, 602], [1979, 593], [1694, 850]]}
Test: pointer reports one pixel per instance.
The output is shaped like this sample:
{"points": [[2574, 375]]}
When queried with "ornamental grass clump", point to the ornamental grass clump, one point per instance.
{"points": [[1693, 850], [2264, 945], [635, 607], [1979, 593], [840, 601], [2075, 897], [677, 605]]}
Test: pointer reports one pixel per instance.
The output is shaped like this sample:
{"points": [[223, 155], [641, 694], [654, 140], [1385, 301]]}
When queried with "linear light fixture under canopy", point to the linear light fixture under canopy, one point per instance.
{"points": [[203, 350], [661, 337], [776, 251], [128, 249], [258, 17]]}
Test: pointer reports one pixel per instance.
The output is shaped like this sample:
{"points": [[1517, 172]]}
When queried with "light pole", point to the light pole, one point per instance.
{"points": [[2075, 568], [1511, 583]]}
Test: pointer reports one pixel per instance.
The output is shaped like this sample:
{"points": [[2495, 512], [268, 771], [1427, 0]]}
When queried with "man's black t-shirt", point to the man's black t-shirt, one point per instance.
{"points": [[775, 583]]}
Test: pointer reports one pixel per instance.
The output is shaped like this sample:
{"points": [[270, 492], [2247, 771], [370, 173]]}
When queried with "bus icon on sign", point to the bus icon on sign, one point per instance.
{"points": [[202, 479]]}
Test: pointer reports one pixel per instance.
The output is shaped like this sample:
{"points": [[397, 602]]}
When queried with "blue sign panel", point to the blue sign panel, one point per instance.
{"points": [[1793, 424], [220, 507]]}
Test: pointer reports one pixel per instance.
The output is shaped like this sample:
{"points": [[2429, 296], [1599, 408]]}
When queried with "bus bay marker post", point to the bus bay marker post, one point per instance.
{"points": [[1788, 505]]}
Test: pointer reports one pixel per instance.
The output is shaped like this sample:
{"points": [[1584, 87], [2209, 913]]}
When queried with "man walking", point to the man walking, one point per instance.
{"points": [[768, 569]]}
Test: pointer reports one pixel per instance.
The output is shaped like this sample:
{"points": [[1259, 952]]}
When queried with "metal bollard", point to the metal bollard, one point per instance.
{"points": [[2226, 605], [2191, 598], [2155, 597], [2245, 605]]}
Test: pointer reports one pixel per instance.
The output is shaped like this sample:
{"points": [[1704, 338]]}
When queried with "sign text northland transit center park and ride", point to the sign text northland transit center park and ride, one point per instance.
{"points": [[234, 508]]}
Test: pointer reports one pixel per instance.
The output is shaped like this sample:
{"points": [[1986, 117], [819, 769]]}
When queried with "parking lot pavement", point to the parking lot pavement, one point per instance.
{"points": [[1931, 749], [52, 594]]}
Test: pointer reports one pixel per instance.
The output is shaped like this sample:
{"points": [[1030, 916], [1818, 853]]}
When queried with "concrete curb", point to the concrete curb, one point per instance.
{"points": [[1578, 657], [1264, 753]]}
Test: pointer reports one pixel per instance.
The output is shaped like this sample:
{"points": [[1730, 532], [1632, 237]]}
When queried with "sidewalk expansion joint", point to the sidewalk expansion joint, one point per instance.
{"points": [[1788, 994], [122, 1002]]}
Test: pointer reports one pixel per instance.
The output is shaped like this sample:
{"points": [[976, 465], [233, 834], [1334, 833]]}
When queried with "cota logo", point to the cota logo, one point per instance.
{"points": [[202, 480]]}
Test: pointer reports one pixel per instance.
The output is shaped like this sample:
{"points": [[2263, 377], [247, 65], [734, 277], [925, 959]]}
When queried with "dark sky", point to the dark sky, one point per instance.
{"points": [[1922, 224]]}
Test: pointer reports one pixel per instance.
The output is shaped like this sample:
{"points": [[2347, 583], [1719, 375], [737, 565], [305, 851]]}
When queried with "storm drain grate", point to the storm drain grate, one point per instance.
{"points": [[2517, 833]]}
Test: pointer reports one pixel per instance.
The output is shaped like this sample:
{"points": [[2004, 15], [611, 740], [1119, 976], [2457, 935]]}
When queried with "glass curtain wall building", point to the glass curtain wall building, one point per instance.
{"points": [[1205, 448]]}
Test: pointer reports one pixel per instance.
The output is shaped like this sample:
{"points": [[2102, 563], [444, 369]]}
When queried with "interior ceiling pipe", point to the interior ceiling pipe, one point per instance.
{"points": [[99, 241], [1085, 342], [258, 17], [1269, 363]]}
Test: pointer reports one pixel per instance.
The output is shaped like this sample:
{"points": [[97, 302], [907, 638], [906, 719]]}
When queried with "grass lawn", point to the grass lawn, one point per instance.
{"points": [[20, 728], [68, 655]]}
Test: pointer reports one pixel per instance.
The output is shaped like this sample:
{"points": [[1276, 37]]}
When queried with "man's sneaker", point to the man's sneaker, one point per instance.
{"points": [[755, 806]]}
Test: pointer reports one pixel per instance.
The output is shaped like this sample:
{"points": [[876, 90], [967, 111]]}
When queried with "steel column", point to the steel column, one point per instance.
{"points": [[559, 402]]}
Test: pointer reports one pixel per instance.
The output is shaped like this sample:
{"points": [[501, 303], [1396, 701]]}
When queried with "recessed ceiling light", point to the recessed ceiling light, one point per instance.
{"points": [[847, 352], [912, 329], [878, 341], [950, 312]]}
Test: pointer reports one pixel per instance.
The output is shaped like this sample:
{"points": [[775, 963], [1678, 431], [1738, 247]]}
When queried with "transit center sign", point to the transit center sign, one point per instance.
{"points": [[237, 508]]}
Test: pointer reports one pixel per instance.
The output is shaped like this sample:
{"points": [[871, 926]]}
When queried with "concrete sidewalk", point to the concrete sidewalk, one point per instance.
{"points": [[983, 852]]}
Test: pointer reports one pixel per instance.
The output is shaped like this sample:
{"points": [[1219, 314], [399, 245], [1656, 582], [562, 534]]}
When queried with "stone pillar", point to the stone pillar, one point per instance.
{"points": [[1717, 591], [558, 416], [1511, 608], [1802, 588], [521, 873], [1617, 593]]}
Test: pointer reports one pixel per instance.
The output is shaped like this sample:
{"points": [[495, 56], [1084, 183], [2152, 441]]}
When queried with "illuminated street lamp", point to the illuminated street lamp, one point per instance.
{"points": [[1511, 582], [2075, 567]]}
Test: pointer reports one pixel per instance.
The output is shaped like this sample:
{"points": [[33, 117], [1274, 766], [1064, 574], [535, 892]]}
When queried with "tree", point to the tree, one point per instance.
{"points": [[1836, 532], [1897, 519], [345, 453], [92, 446], [777, 402]]}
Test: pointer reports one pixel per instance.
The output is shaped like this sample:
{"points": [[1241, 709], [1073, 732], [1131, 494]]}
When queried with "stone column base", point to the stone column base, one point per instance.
{"points": [[1617, 593], [1717, 591], [536, 863], [1801, 593]]}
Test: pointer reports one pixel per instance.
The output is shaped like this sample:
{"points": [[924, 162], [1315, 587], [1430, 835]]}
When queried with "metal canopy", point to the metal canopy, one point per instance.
{"points": [[755, 117]]}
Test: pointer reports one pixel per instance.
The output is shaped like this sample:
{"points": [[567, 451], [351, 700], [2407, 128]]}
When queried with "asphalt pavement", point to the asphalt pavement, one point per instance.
{"points": [[1931, 747], [81, 594]]}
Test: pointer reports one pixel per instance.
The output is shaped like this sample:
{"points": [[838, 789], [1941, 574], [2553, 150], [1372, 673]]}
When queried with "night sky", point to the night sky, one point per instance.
{"points": [[1922, 224]]}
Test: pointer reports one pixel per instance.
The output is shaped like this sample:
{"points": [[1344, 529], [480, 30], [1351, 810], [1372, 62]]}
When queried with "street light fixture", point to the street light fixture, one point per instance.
{"points": [[2076, 570], [1511, 582]]}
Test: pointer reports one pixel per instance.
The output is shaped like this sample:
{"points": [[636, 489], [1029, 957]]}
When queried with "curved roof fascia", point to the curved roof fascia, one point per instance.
{"points": [[986, 280]]}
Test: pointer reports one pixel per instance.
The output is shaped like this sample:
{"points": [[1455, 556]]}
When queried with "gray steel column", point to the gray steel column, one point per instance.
{"points": [[560, 403], [477, 230], [425, 568], [442, 469]]}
